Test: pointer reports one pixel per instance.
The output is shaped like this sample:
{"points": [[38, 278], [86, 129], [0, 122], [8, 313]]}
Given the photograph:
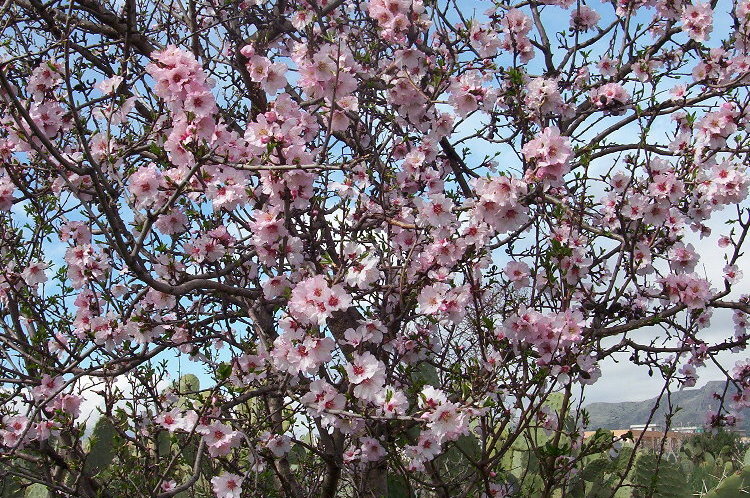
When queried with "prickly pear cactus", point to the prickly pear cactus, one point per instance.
{"points": [[10, 488], [189, 383], [36, 491], [101, 447], [668, 482], [163, 443], [733, 486], [595, 470]]}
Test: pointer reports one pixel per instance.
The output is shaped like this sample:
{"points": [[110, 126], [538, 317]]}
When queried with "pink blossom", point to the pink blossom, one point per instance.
{"points": [[270, 75], [145, 185], [428, 445], [584, 18], [688, 289], [697, 21], [364, 273], [732, 274], [351, 454], [666, 187], [393, 16], [45, 429], [249, 368], [44, 78], [279, 445], [715, 127], [276, 286], [50, 386], [431, 397], [498, 204], [109, 85], [518, 272], [393, 402], [550, 333], [34, 274], [437, 212], [168, 485], [549, 153], [606, 66], [200, 103], [370, 387], [643, 69], [301, 18], [371, 331], [227, 485], [610, 97], [49, 117], [180, 80], [688, 373], [431, 298], [484, 39], [447, 422], [75, 231], [219, 438], [313, 301], [467, 93], [16, 431], [306, 355], [517, 22], [362, 367], [589, 369], [678, 91], [323, 397], [543, 95], [176, 420], [682, 258], [267, 227], [210, 246], [68, 403], [172, 222], [371, 450], [517, 27], [6, 193]]}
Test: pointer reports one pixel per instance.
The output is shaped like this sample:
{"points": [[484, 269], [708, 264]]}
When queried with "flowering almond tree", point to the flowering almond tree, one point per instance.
{"points": [[390, 241]]}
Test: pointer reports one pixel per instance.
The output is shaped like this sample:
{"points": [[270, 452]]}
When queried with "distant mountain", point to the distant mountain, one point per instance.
{"points": [[694, 404]]}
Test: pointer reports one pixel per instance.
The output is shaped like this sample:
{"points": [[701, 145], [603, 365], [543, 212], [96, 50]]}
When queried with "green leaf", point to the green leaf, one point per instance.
{"points": [[223, 371]]}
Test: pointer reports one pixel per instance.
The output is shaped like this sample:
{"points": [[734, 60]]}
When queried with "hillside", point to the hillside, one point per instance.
{"points": [[694, 404]]}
